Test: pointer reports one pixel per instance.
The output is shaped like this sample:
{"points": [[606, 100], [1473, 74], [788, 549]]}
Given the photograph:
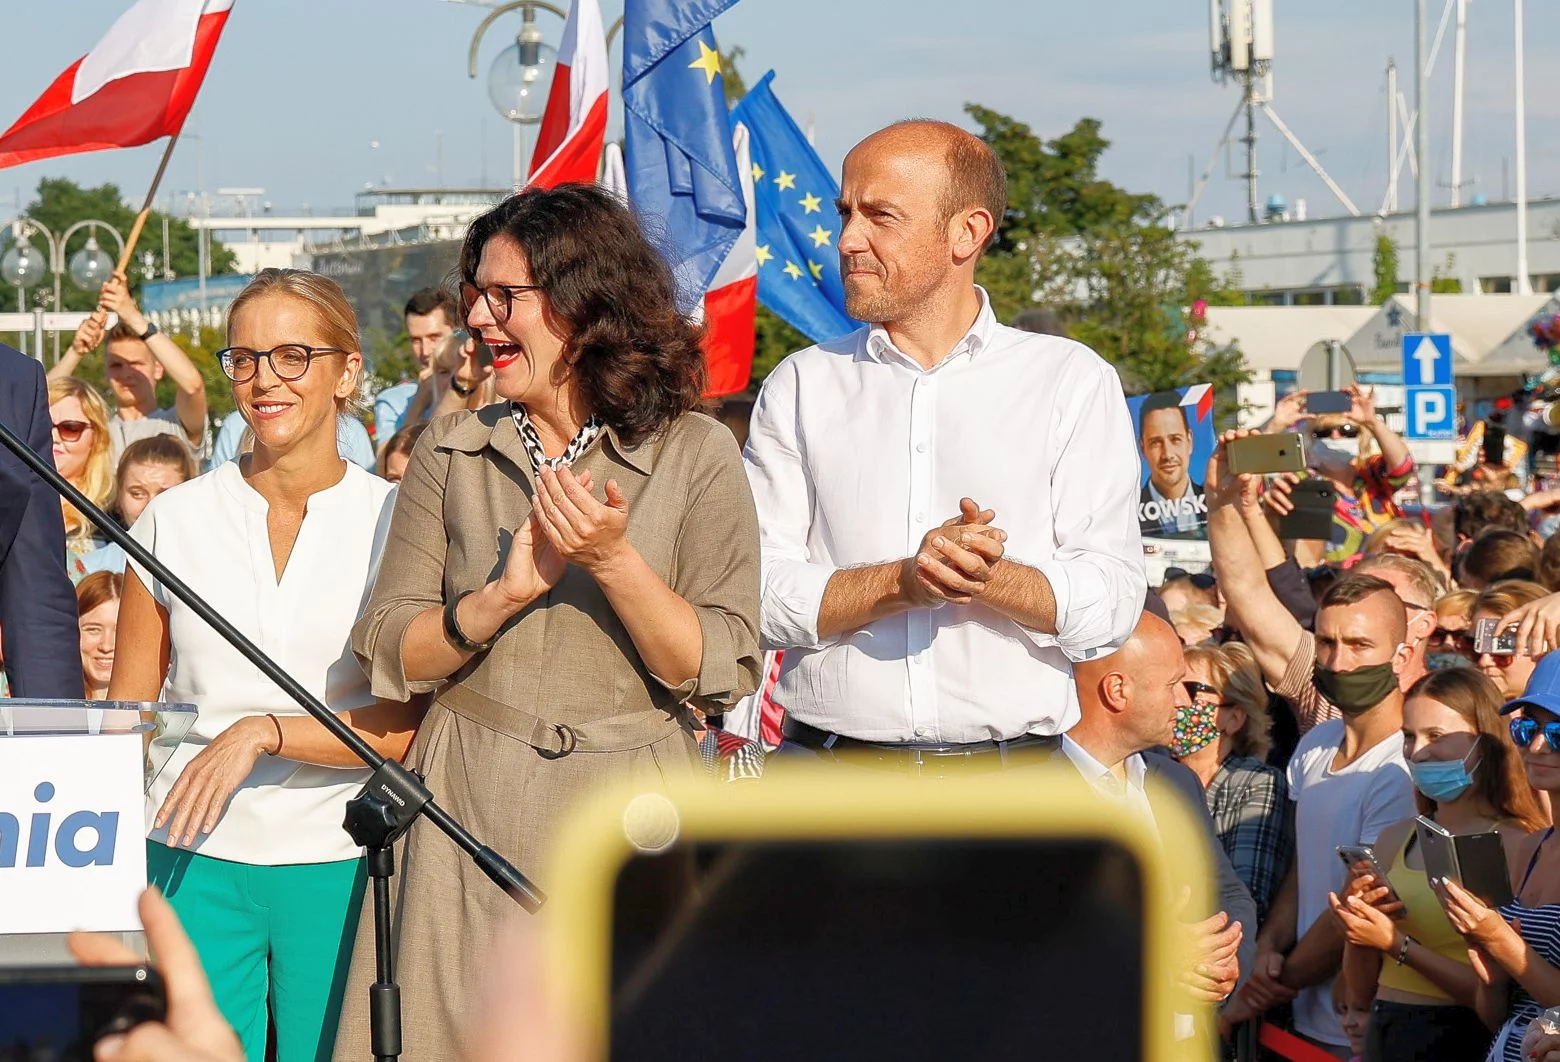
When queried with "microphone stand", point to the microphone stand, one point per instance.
{"points": [[389, 803]]}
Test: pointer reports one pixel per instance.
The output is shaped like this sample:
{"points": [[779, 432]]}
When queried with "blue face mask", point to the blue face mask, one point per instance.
{"points": [[1442, 661], [1442, 780]]}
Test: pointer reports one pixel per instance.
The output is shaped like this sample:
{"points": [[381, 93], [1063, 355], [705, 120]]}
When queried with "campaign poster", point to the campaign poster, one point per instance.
{"points": [[1175, 438]]}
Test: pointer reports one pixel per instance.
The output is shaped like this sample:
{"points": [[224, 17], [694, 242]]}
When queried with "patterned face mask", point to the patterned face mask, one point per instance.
{"points": [[1194, 729]]}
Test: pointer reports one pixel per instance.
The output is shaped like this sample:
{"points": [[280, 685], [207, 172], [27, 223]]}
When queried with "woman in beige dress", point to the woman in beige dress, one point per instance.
{"points": [[570, 572]]}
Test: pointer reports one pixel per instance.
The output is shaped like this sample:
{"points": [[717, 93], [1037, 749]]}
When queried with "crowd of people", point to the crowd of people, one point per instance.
{"points": [[918, 551]]}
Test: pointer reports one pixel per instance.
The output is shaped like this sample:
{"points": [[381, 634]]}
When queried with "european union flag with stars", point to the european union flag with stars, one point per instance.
{"points": [[798, 225], [682, 170]]}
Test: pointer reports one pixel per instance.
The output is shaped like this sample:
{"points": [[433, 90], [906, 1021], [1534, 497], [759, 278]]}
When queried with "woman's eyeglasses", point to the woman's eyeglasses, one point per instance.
{"points": [[500, 297], [1202, 689], [71, 430], [1345, 431], [288, 361], [1523, 731]]}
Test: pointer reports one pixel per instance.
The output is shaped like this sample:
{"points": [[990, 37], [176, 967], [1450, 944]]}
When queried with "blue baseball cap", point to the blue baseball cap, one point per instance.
{"points": [[1543, 689]]}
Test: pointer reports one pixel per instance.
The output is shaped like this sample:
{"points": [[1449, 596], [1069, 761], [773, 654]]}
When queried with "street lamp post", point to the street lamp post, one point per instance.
{"points": [[89, 267], [521, 74]]}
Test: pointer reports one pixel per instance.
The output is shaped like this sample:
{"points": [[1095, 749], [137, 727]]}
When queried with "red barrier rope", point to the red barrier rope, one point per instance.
{"points": [[1291, 1046]]}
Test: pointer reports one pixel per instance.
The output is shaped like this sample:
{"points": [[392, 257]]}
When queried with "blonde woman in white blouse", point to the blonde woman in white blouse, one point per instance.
{"points": [[246, 837]]}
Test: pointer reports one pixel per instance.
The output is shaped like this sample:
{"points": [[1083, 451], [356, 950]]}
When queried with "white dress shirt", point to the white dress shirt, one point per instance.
{"points": [[855, 452], [1133, 791]]}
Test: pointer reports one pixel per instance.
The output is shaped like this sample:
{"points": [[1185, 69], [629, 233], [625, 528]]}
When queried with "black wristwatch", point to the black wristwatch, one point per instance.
{"points": [[151, 330], [458, 389], [456, 635]]}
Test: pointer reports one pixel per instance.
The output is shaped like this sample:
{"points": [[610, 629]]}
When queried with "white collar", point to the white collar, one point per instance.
{"points": [[879, 346], [1100, 776]]}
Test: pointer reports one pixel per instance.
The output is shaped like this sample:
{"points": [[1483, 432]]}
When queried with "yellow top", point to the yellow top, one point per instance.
{"points": [[1426, 922]]}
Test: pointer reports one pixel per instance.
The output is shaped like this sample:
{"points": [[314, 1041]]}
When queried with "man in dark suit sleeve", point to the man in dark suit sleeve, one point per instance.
{"points": [[37, 605], [1128, 701]]}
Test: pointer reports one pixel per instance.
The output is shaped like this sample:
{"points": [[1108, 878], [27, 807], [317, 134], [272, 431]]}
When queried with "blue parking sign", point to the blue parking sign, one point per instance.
{"points": [[1430, 412], [1427, 359]]}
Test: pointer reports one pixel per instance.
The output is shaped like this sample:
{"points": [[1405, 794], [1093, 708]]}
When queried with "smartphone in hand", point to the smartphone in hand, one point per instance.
{"points": [[1262, 454]]}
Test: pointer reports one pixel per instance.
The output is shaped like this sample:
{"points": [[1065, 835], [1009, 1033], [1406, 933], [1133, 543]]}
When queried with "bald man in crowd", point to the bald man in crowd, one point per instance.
{"points": [[948, 506], [1129, 701]]}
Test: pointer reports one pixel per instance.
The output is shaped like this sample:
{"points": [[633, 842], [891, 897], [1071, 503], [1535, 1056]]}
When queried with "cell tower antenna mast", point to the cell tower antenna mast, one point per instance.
{"points": [[1241, 43]]}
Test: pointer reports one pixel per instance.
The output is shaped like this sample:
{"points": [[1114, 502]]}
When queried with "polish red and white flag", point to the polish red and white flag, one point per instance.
{"points": [[136, 85], [731, 303], [574, 125]]}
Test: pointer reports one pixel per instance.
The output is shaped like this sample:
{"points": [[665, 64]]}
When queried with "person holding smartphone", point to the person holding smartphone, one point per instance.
{"points": [[1516, 947], [1402, 950], [1365, 484]]}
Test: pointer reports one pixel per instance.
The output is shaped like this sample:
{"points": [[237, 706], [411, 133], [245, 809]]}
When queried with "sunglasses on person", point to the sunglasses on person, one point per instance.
{"points": [[1523, 731], [1196, 689], [500, 297], [71, 430], [288, 361], [1343, 431], [1201, 580], [1455, 641]]}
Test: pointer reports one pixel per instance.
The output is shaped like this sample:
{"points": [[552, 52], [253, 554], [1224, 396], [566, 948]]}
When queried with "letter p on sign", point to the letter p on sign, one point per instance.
{"points": [[1432, 413]]}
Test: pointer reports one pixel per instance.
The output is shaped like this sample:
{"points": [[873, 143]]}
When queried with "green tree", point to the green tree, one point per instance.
{"points": [[1384, 264], [61, 202], [730, 78], [773, 340], [1443, 281], [1103, 259]]}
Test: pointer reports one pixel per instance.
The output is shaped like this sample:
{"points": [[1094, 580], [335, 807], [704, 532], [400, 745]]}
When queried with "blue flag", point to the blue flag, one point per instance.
{"points": [[682, 171], [798, 226]]}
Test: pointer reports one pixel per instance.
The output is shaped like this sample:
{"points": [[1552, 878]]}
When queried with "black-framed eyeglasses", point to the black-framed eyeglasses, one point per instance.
{"points": [[1196, 689], [1523, 731], [500, 297], [288, 361], [1346, 431]]}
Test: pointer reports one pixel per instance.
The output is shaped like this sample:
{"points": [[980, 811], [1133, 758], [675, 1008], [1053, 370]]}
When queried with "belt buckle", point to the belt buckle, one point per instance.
{"points": [[568, 741]]}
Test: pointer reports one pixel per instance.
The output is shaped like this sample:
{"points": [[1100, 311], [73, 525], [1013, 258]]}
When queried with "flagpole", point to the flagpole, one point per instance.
{"points": [[100, 314], [146, 209]]}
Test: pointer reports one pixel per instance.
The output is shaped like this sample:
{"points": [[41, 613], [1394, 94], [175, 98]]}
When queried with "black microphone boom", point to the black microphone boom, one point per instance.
{"points": [[389, 803]]}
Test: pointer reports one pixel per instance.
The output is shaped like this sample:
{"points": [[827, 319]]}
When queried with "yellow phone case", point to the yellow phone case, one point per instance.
{"points": [[841, 803]]}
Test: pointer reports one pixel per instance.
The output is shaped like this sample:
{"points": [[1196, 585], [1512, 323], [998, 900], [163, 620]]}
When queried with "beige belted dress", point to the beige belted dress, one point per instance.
{"points": [[563, 673]]}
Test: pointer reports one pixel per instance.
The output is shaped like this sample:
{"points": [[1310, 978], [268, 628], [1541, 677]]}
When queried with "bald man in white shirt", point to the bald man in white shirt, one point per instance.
{"points": [[947, 506]]}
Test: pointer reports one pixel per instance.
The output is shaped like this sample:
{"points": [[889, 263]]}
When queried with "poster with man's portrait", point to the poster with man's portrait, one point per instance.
{"points": [[1175, 439]]}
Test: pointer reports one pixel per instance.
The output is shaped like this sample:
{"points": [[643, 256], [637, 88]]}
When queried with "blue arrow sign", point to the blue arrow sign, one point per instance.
{"points": [[1427, 359]]}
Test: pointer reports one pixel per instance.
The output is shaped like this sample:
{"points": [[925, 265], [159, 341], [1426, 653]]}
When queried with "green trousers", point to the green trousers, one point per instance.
{"points": [[275, 941]]}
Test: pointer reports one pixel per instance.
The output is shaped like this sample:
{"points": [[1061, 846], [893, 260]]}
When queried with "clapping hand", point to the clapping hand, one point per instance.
{"points": [[534, 564], [581, 529], [955, 561]]}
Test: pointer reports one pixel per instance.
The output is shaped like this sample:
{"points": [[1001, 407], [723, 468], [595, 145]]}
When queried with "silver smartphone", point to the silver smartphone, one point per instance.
{"points": [[1353, 854]]}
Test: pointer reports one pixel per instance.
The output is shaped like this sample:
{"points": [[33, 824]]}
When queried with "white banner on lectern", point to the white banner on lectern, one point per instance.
{"points": [[72, 832]]}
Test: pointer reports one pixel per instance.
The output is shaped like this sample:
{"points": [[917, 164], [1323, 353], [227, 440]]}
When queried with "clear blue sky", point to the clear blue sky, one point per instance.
{"points": [[300, 89]]}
